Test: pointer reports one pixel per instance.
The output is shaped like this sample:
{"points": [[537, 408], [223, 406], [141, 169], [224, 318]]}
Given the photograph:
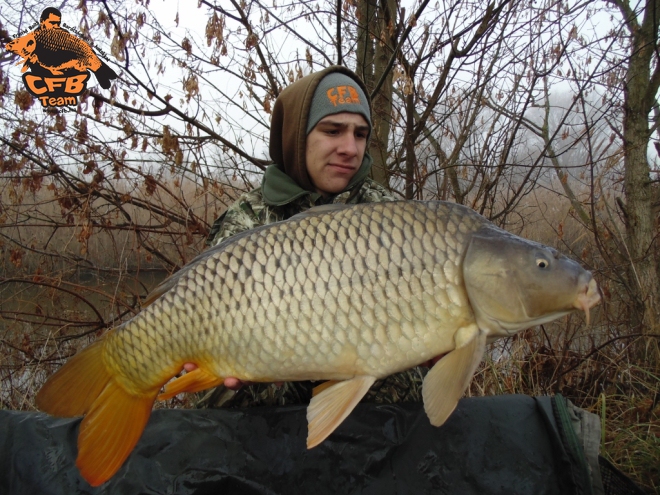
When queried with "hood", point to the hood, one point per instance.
{"points": [[279, 189], [288, 129]]}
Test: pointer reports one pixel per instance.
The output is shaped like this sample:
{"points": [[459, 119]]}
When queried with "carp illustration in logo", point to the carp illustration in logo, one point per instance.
{"points": [[49, 51]]}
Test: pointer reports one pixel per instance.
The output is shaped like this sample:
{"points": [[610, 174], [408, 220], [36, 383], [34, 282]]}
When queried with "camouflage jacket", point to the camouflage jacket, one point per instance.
{"points": [[251, 210]]}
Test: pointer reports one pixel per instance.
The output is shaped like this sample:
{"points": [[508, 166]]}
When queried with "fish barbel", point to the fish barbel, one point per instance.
{"points": [[342, 293]]}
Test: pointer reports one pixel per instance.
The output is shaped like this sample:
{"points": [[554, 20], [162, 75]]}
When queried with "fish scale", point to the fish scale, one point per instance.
{"points": [[341, 293]]}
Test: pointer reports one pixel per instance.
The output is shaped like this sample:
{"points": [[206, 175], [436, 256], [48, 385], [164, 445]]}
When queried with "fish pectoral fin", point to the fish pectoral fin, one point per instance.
{"points": [[332, 405], [445, 383], [193, 381]]}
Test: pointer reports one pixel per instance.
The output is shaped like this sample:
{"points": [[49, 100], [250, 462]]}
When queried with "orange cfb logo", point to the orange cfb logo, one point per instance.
{"points": [[59, 62], [342, 95]]}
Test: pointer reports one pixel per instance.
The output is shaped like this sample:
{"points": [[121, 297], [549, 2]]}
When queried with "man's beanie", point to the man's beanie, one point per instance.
{"points": [[337, 93]]}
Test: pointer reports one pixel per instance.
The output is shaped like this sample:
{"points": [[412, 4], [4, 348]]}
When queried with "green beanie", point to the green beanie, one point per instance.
{"points": [[337, 93]]}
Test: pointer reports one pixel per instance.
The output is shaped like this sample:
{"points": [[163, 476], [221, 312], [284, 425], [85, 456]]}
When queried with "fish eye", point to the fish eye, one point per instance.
{"points": [[542, 263]]}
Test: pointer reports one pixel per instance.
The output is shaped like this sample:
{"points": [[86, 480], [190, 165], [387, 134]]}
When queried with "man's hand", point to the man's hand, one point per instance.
{"points": [[234, 383]]}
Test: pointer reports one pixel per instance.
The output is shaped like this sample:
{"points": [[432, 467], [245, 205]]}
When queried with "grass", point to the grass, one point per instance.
{"points": [[611, 382], [631, 419]]}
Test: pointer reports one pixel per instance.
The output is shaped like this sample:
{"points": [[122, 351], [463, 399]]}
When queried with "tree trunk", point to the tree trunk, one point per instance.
{"points": [[376, 41], [639, 90]]}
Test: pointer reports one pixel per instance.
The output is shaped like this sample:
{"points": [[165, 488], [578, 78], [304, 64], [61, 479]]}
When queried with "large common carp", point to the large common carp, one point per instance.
{"points": [[342, 293]]}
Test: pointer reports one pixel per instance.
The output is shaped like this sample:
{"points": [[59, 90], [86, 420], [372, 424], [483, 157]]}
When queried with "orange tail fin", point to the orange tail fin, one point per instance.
{"points": [[76, 385], [114, 418], [110, 431]]}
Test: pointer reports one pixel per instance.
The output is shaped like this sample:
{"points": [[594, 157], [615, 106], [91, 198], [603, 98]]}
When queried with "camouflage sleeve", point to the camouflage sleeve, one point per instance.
{"points": [[239, 217], [369, 192], [250, 211], [372, 192]]}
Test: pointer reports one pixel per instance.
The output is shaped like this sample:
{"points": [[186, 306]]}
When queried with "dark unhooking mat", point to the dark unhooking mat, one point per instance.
{"points": [[490, 445]]}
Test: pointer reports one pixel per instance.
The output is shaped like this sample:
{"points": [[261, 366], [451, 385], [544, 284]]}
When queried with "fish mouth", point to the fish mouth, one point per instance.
{"points": [[588, 298]]}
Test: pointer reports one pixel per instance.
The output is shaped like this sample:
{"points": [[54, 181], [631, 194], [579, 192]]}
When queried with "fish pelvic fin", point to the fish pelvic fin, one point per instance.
{"points": [[330, 407], [193, 381], [445, 384], [114, 418]]}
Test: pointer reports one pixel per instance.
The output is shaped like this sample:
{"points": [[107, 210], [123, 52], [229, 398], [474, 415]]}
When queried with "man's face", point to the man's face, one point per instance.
{"points": [[53, 21], [335, 149]]}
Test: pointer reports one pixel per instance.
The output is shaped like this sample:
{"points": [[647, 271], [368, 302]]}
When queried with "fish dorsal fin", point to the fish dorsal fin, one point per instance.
{"points": [[329, 408], [445, 383], [193, 381], [160, 289]]}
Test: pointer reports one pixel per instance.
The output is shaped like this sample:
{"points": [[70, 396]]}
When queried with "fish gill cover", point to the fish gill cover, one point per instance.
{"points": [[56, 62]]}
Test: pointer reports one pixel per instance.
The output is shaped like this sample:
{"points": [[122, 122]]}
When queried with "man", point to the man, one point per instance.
{"points": [[319, 135], [51, 18]]}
